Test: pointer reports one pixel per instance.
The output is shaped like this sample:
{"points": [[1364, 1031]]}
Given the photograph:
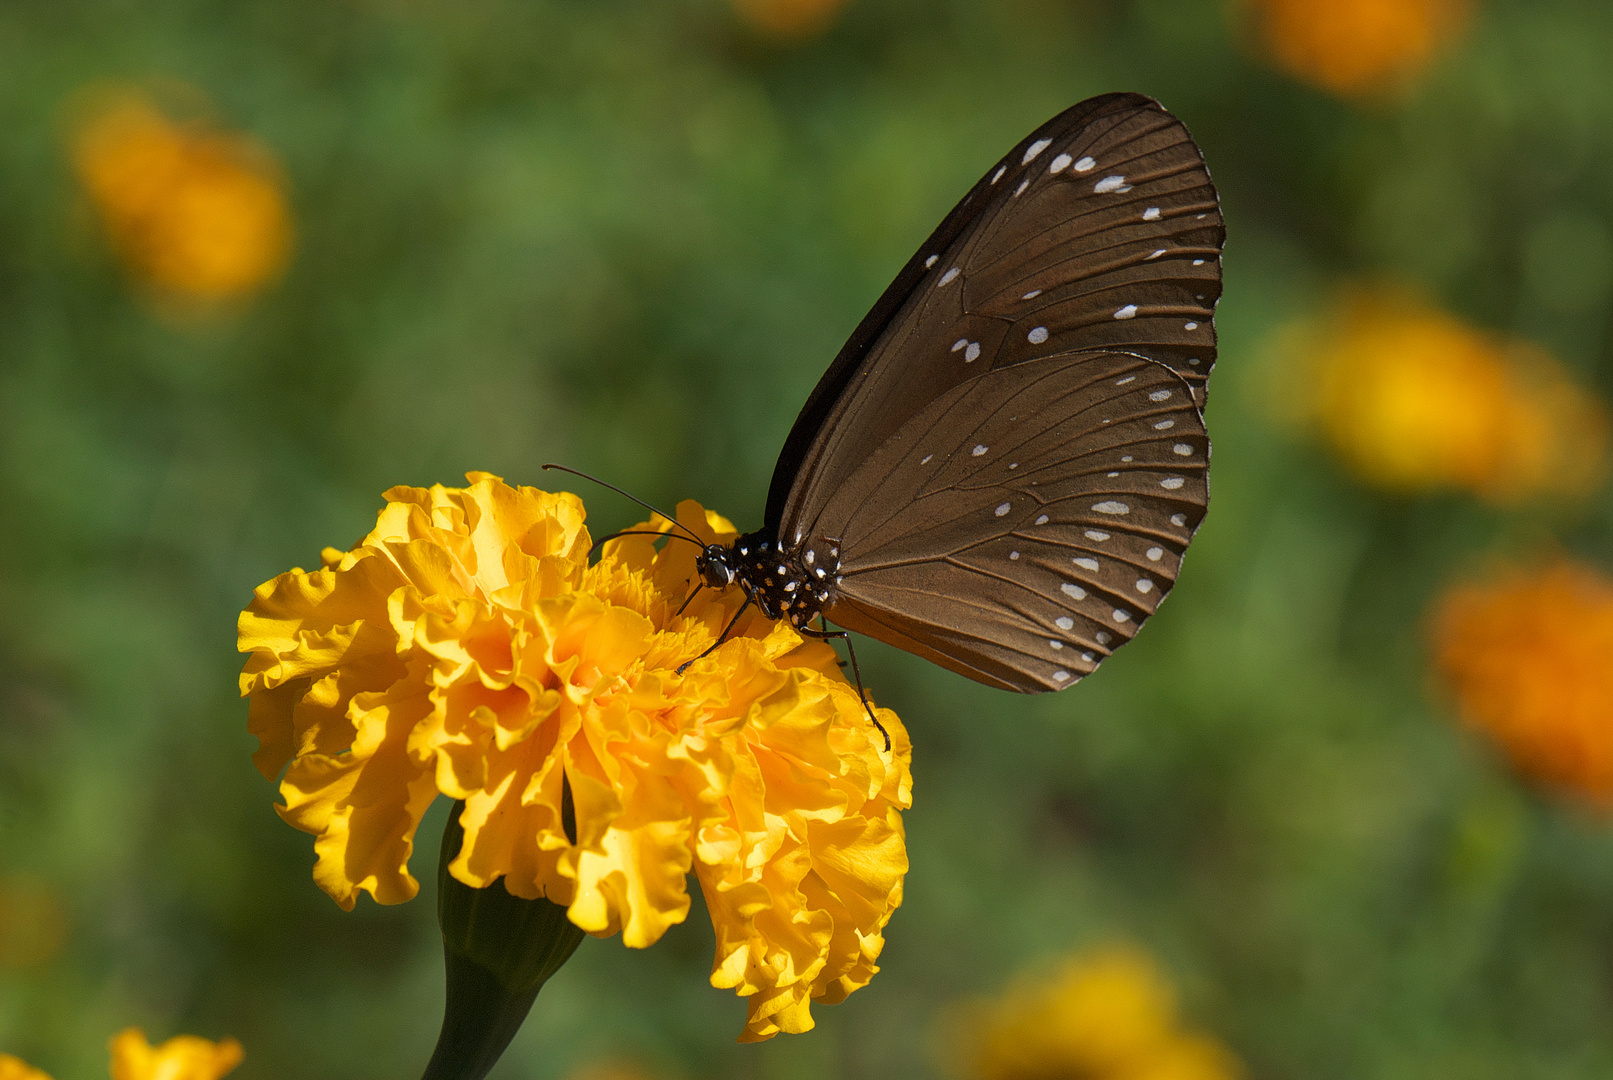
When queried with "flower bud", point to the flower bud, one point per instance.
{"points": [[499, 950]]}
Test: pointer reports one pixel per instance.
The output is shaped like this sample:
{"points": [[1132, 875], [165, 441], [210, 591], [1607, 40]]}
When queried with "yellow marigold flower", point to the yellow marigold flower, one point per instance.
{"points": [[1109, 1015], [1357, 48], [198, 214], [789, 19], [1413, 399], [1528, 658], [184, 1057], [466, 647]]}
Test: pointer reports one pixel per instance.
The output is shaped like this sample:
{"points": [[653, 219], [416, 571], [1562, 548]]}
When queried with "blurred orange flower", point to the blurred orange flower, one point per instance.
{"points": [[184, 1057], [789, 19], [1107, 1015], [467, 647], [1412, 399], [1528, 658], [1357, 48], [198, 214], [33, 921]]}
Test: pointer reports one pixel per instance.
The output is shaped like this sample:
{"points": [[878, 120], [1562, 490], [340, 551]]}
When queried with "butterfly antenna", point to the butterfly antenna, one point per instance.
{"points": [[640, 532], [625, 495]]}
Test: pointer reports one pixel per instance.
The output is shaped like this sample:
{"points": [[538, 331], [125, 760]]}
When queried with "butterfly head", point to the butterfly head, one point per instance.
{"points": [[716, 566]]}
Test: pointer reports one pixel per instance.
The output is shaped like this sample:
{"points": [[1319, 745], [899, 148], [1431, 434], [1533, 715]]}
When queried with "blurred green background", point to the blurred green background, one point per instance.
{"points": [[629, 235]]}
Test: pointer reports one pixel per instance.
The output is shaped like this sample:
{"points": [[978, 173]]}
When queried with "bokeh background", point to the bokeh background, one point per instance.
{"points": [[262, 259]]}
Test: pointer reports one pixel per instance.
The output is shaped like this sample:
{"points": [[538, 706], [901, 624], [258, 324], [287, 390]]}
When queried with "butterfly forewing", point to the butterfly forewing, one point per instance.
{"points": [[1024, 524], [1100, 231]]}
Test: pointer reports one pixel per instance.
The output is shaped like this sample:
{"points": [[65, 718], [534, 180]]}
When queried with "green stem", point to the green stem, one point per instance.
{"points": [[499, 950]]}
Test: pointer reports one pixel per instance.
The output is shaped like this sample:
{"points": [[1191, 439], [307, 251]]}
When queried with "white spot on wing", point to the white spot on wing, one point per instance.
{"points": [[1035, 148], [1190, 326], [1064, 623], [1087, 564], [960, 343], [1110, 506], [1122, 615], [1073, 590], [1003, 509], [1127, 379], [1094, 534], [1179, 520], [930, 261], [1055, 644], [1127, 312], [1020, 190], [1032, 295], [1144, 585], [1164, 425], [926, 460], [1157, 395], [1042, 520], [1156, 254], [1103, 637], [1171, 483], [1151, 214], [998, 175], [1181, 449], [1037, 336], [1084, 165], [1155, 554], [972, 353], [1110, 183], [946, 278], [1060, 163], [979, 449], [1060, 676], [1013, 555]]}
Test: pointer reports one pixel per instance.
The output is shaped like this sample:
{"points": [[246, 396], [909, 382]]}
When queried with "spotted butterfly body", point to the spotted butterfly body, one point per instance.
{"points": [[1003, 467]]}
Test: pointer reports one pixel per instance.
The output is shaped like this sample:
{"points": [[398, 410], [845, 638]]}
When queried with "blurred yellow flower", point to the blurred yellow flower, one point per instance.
{"points": [[467, 647], [199, 214], [1108, 1015], [184, 1057], [12, 1068], [1413, 400], [1357, 48], [789, 19], [1528, 658]]}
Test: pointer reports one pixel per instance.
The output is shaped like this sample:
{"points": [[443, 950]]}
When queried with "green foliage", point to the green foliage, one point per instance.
{"points": [[629, 236]]}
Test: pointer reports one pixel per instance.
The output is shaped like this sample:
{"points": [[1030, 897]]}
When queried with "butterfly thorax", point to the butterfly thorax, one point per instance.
{"points": [[796, 584]]}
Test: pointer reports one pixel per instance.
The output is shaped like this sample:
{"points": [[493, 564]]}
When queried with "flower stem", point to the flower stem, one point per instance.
{"points": [[499, 950]]}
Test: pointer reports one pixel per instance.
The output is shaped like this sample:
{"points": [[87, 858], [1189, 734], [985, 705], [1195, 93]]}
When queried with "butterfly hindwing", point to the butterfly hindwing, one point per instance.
{"points": [[1024, 525]]}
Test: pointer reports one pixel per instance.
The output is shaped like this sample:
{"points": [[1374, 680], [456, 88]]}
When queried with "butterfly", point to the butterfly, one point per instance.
{"points": [[1003, 467]]}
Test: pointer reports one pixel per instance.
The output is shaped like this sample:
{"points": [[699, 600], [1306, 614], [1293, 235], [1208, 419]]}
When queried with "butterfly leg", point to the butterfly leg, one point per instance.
{"points": [[690, 597], [720, 637], [824, 635]]}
